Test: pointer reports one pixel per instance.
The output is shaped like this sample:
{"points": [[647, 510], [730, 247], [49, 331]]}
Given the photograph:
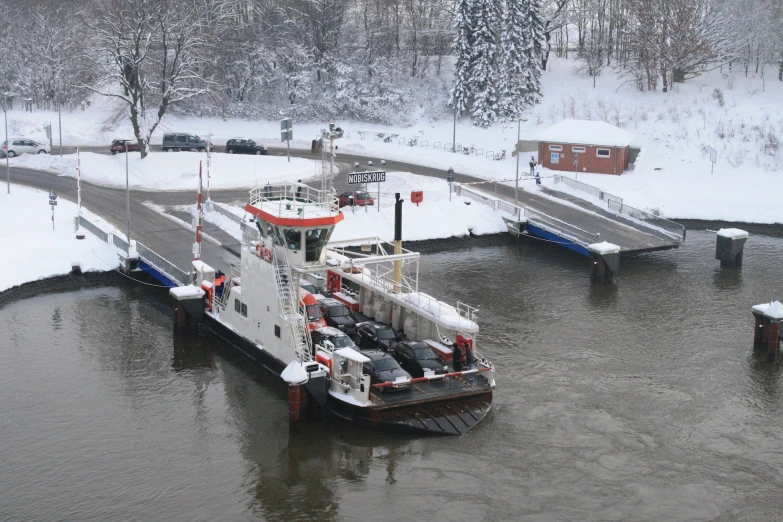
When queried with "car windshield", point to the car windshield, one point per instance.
{"points": [[338, 311], [425, 353], [313, 313], [362, 195], [307, 286], [341, 341], [386, 333], [383, 365]]}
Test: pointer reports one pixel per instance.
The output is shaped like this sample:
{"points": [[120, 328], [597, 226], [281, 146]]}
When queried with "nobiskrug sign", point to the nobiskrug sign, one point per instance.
{"points": [[358, 178]]}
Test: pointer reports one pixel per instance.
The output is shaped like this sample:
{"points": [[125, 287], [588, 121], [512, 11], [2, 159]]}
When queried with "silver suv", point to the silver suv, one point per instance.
{"points": [[183, 142], [23, 146]]}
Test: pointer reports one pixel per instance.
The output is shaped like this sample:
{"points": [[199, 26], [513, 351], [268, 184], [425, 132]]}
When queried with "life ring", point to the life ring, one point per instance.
{"points": [[259, 249], [267, 255]]}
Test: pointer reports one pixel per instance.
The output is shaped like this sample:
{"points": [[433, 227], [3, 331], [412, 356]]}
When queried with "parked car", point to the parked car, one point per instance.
{"points": [[330, 338], [360, 198], [24, 146], [373, 335], [384, 368], [178, 142], [310, 287], [119, 146], [315, 318], [415, 357], [244, 146], [337, 315]]}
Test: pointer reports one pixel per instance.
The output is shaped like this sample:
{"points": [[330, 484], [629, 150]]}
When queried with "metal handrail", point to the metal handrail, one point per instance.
{"points": [[584, 187], [666, 226]]}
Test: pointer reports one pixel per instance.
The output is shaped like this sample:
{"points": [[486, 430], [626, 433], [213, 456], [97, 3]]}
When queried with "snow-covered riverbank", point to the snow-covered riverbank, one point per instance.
{"points": [[31, 250]]}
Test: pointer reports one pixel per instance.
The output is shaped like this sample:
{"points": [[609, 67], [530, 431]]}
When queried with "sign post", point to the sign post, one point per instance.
{"points": [[287, 134], [48, 129], [450, 180], [576, 165], [713, 159], [52, 203], [363, 178]]}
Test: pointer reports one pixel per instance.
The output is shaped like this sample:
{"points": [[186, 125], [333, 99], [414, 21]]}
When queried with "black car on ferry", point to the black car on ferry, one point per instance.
{"points": [[385, 368], [337, 314], [416, 357], [373, 335]]}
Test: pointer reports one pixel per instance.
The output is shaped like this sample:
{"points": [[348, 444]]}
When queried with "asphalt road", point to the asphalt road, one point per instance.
{"points": [[173, 240]]}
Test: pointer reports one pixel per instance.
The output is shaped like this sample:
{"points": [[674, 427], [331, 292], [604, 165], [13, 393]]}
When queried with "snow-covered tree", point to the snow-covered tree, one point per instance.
{"points": [[484, 67], [514, 46], [534, 51], [463, 49]]}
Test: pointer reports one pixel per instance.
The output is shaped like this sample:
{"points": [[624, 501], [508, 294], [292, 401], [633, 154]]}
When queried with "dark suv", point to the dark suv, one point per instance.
{"points": [[416, 358], [119, 146], [183, 142], [337, 315], [244, 146], [383, 368], [373, 335]]}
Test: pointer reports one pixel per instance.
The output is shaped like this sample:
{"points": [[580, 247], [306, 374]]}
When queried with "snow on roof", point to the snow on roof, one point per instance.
{"points": [[186, 292], [586, 132], [446, 314], [350, 353], [734, 233], [603, 247], [773, 310]]}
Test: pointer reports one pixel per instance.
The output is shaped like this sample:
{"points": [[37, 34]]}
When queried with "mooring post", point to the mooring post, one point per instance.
{"points": [[604, 261], [729, 247], [295, 375], [188, 305], [767, 324], [294, 392]]}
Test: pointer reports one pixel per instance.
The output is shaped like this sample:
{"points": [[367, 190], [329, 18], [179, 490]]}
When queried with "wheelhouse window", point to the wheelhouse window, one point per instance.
{"points": [[555, 147], [237, 305], [603, 153], [244, 310], [277, 235], [293, 238], [315, 241], [580, 150]]}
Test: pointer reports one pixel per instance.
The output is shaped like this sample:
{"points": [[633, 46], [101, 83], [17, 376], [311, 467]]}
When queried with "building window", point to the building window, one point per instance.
{"points": [[555, 147], [579, 150], [555, 158], [244, 310], [237, 305], [277, 330], [603, 153]]}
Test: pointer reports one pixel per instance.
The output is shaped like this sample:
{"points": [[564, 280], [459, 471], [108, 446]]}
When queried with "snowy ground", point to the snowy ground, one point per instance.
{"points": [[436, 217], [173, 171], [31, 250], [743, 122]]}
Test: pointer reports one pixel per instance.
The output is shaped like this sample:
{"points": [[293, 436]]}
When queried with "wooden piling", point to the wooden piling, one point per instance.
{"points": [[605, 262], [766, 337], [294, 404], [729, 247]]}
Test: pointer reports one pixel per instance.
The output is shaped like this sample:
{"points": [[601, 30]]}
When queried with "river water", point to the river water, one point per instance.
{"points": [[635, 401]]}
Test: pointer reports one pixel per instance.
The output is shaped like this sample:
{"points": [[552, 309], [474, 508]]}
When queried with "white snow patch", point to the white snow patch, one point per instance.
{"points": [[31, 250], [294, 373], [773, 310], [733, 233], [603, 247]]}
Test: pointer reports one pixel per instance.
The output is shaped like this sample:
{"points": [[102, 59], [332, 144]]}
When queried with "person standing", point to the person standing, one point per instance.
{"points": [[457, 357], [298, 188], [538, 178], [469, 359], [532, 166]]}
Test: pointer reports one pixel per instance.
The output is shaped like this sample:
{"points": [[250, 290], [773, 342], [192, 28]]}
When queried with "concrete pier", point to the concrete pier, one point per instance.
{"points": [[605, 262], [766, 337], [729, 247]]}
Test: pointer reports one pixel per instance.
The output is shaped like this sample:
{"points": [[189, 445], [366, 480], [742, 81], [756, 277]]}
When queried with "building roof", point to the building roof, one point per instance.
{"points": [[586, 132]]}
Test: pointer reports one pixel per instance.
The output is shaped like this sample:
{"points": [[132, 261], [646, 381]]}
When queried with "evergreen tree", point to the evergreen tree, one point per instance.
{"points": [[533, 53], [484, 70], [463, 49], [514, 44]]}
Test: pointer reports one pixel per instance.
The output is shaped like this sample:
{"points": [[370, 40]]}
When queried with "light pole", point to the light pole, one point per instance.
{"points": [[7, 166], [454, 131], [519, 152], [60, 124], [127, 198]]}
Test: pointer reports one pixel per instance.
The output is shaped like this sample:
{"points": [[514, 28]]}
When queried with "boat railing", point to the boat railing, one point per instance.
{"points": [[287, 198]]}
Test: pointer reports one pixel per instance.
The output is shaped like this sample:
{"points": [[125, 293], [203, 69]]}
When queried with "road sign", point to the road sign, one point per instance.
{"points": [[287, 135], [286, 124], [450, 175], [52, 196], [359, 178], [713, 155], [53, 203]]}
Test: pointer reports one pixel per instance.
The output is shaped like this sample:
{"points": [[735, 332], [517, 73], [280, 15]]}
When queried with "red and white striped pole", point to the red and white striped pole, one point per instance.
{"points": [[197, 245], [209, 163]]}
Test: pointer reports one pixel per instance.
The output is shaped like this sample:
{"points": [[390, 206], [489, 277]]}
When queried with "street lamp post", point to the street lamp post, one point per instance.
{"points": [[60, 124], [127, 198], [519, 152], [7, 165], [454, 131]]}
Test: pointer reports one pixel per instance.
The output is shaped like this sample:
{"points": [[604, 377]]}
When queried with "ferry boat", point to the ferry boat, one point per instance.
{"points": [[257, 308]]}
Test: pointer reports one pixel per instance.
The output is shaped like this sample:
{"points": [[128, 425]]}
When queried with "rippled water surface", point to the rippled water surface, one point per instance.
{"points": [[636, 401]]}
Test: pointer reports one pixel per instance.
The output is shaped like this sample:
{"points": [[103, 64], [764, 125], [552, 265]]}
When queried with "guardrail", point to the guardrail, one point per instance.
{"points": [[149, 256], [584, 187], [217, 207], [544, 221], [670, 228]]}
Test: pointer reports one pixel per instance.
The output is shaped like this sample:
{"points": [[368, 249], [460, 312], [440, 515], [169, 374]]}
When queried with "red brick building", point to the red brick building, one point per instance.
{"points": [[599, 147]]}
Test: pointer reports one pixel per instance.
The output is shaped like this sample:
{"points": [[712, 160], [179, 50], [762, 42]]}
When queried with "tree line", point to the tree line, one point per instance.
{"points": [[389, 61]]}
